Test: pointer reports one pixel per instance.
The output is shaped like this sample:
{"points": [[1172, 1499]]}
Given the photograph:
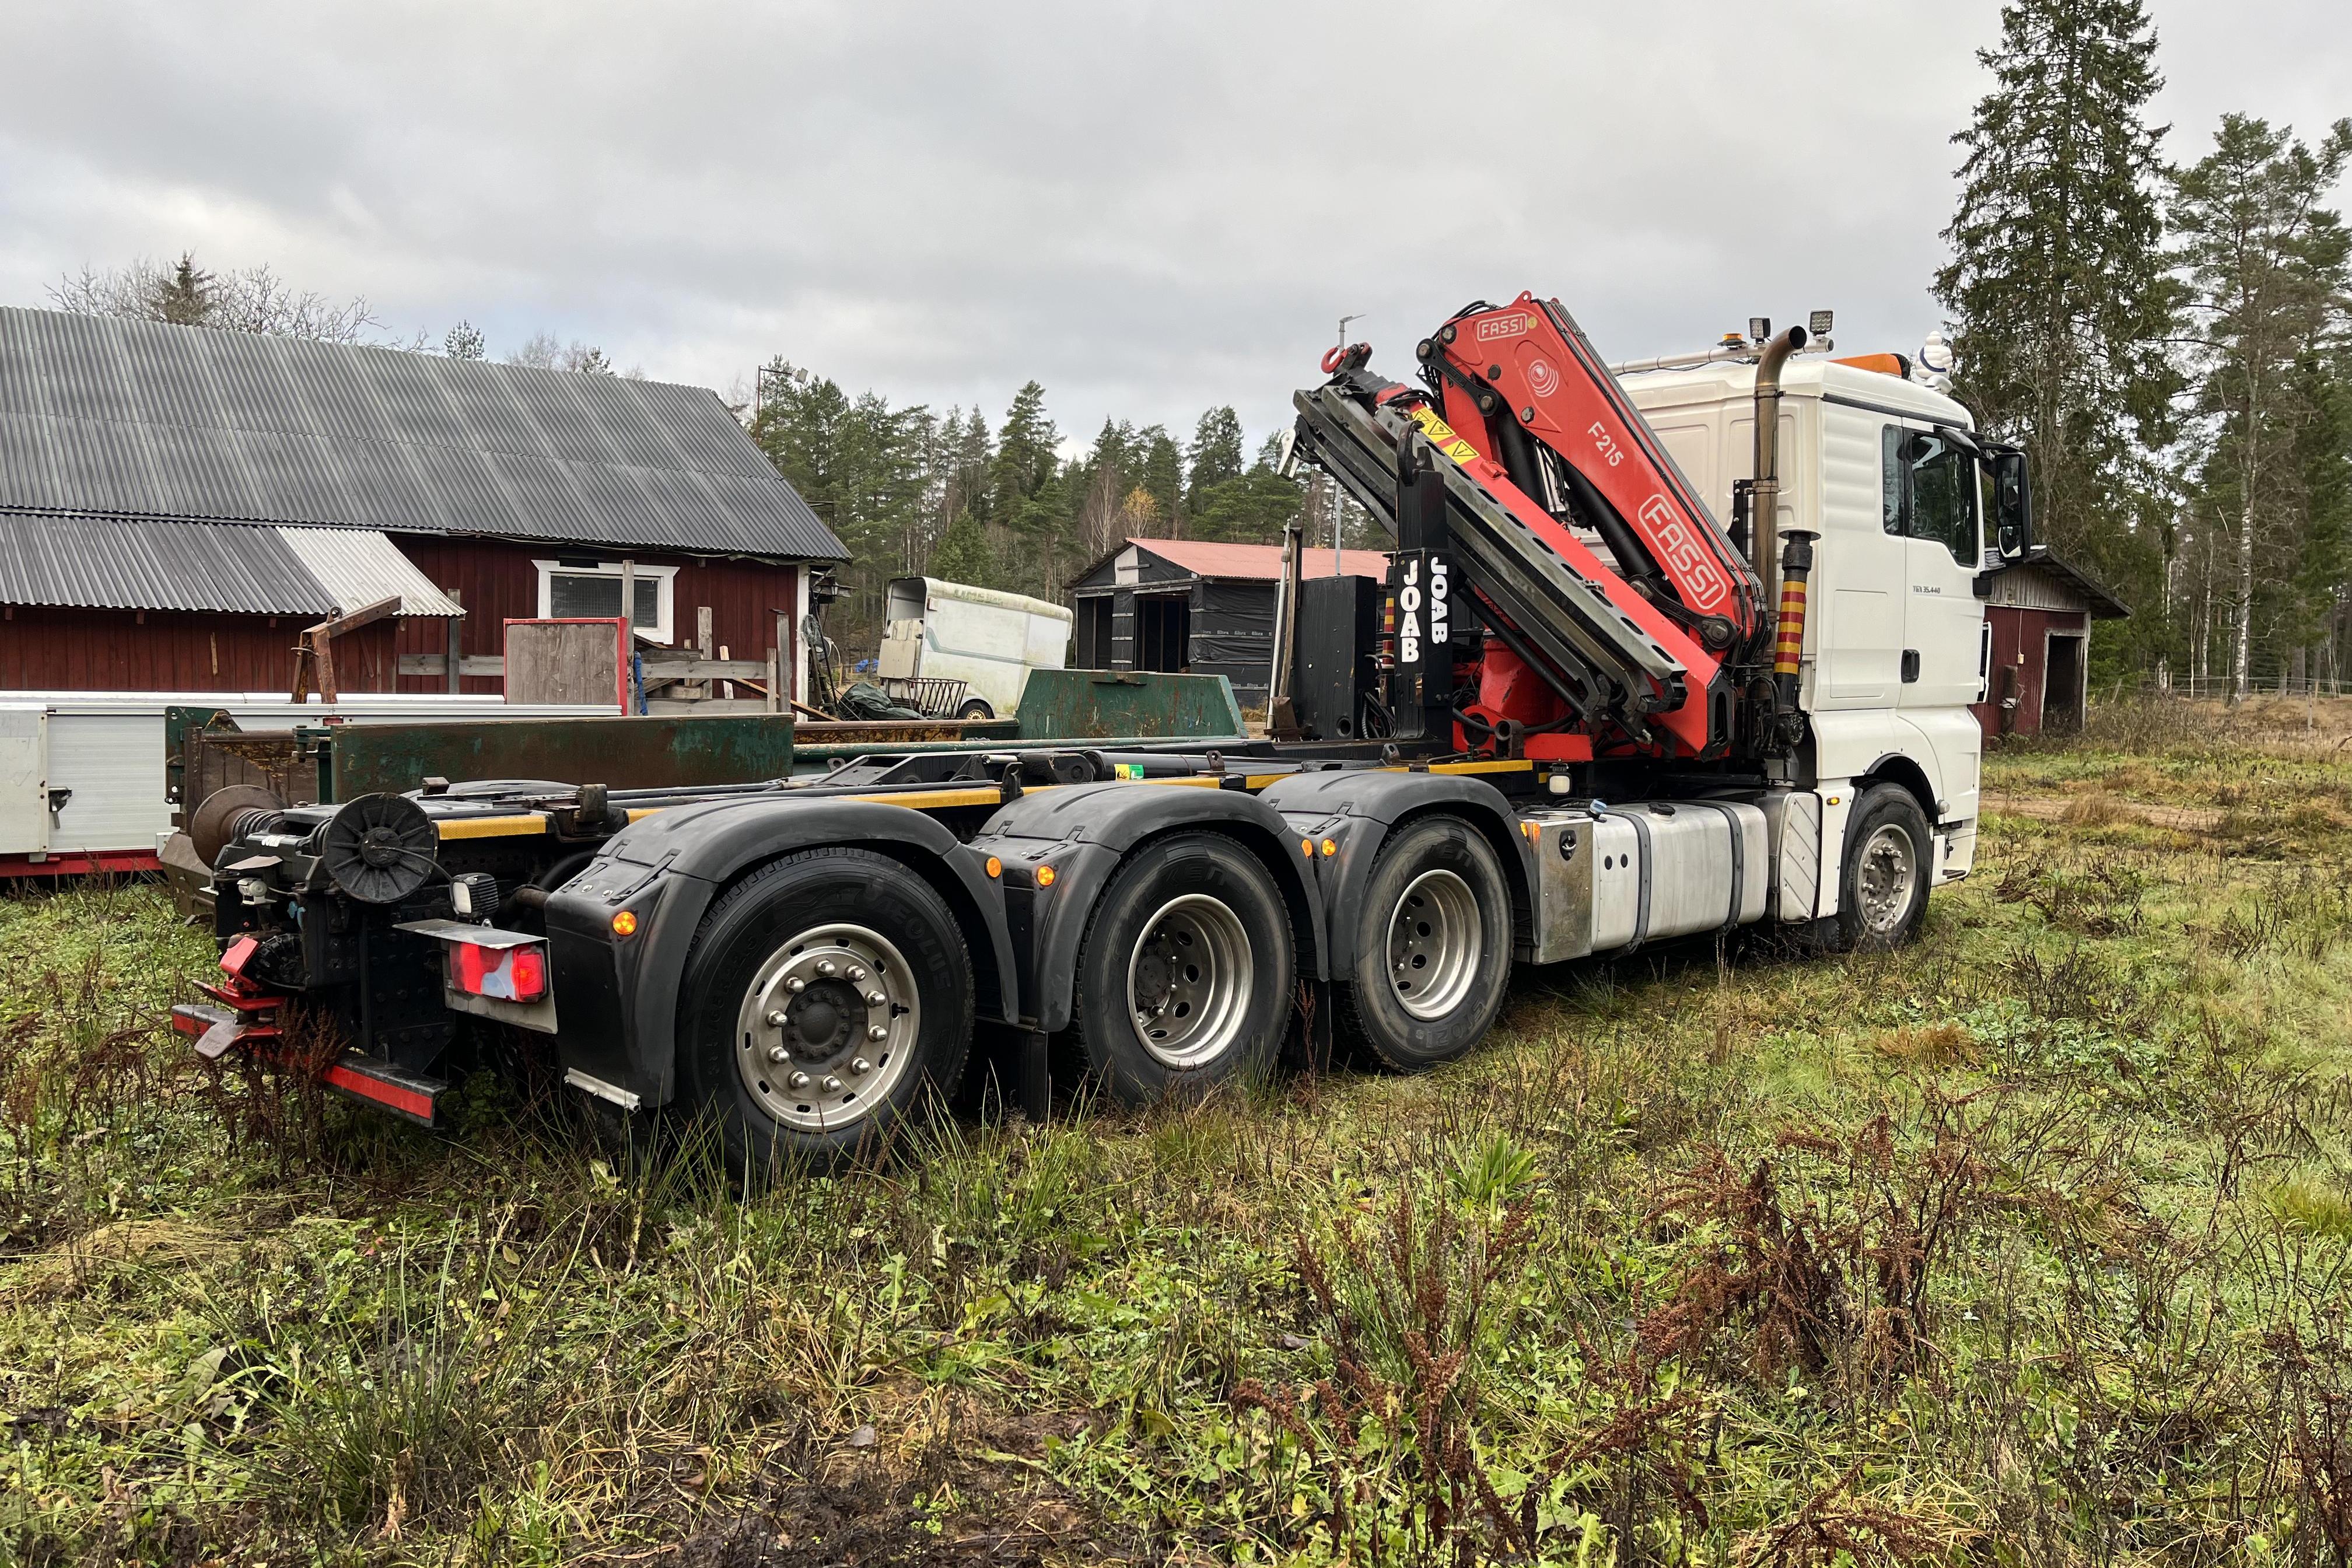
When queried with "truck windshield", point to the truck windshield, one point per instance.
{"points": [[1931, 491]]}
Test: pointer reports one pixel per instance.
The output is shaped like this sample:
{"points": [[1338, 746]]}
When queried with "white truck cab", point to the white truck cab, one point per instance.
{"points": [[1887, 476]]}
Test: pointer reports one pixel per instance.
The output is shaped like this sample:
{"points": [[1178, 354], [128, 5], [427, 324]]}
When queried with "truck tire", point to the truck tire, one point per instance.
{"points": [[1889, 861], [1433, 946], [776, 1037], [1184, 973]]}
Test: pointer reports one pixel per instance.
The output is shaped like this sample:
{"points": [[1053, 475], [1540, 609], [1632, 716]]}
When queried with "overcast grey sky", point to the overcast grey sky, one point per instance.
{"points": [[1148, 207]]}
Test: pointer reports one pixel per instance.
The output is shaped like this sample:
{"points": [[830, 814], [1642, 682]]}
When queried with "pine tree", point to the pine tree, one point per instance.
{"points": [[974, 451], [2057, 277], [2266, 266], [864, 469], [798, 424], [463, 340]]}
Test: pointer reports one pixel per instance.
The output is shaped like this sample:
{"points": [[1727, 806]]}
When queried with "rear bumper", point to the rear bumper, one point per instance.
{"points": [[217, 1030]]}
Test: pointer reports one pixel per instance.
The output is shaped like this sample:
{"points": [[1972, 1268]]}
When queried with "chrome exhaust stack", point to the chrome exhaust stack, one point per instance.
{"points": [[1764, 490]]}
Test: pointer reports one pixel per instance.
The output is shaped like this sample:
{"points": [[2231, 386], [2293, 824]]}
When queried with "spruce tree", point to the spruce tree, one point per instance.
{"points": [[963, 554], [1251, 508], [184, 296], [2323, 480], [2057, 280], [1026, 452], [1216, 454], [1159, 472]]}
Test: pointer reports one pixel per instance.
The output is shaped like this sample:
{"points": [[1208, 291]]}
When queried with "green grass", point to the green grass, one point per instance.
{"points": [[2027, 1244]]}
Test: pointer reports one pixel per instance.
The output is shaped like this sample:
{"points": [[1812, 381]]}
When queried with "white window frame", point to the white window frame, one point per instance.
{"points": [[665, 592]]}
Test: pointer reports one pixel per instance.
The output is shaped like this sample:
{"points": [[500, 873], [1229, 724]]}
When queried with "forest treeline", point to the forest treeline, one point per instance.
{"points": [[913, 490], [2167, 336], [2163, 319]]}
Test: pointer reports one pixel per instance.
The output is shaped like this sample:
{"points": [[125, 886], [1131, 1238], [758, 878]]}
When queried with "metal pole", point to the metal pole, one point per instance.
{"points": [[457, 643], [629, 633], [1336, 502]]}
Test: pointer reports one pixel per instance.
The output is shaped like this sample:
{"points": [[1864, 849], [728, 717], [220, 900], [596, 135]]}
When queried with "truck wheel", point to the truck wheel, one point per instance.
{"points": [[1433, 946], [827, 995], [1184, 974], [975, 709], [1883, 889]]}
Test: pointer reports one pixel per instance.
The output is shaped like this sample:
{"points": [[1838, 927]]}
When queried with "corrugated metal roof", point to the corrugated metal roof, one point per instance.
{"points": [[2045, 581], [100, 415], [154, 563], [359, 567], [1208, 559]]}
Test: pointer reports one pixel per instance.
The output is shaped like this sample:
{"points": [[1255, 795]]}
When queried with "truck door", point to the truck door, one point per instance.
{"points": [[1932, 493], [1859, 579]]}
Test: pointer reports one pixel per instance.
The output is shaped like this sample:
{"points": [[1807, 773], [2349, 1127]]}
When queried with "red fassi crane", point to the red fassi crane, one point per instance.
{"points": [[1530, 416]]}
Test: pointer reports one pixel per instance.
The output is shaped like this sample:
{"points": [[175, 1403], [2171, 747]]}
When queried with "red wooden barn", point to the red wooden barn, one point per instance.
{"points": [[178, 503], [2038, 670]]}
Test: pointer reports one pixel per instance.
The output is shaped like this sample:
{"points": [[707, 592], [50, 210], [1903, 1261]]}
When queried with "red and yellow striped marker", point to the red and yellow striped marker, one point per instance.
{"points": [[1789, 646]]}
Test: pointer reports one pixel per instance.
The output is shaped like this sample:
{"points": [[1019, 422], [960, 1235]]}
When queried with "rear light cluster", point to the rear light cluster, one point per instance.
{"points": [[517, 973]]}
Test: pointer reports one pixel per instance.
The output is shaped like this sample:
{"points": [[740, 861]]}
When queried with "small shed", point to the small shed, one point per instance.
{"points": [[1191, 606], [2038, 624]]}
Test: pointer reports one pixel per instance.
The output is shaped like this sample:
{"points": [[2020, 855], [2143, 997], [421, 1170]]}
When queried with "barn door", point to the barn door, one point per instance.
{"points": [[2062, 679]]}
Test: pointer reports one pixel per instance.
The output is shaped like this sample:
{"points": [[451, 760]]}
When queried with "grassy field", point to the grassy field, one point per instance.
{"points": [[2028, 1244]]}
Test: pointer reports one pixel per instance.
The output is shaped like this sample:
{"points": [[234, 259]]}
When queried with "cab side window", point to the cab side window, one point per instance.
{"points": [[1929, 490]]}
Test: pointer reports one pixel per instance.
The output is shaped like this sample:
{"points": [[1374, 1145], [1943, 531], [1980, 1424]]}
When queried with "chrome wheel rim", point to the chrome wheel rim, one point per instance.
{"points": [[1885, 878], [1188, 981], [1436, 940], [827, 1027]]}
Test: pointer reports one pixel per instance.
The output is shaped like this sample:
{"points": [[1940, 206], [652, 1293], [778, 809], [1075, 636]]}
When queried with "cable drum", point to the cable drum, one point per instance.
{"points": [[229, 813], [379, 848]]}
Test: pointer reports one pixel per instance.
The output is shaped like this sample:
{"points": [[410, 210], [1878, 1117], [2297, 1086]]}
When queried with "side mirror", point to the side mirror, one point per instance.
{"points": [[2012, 503]]}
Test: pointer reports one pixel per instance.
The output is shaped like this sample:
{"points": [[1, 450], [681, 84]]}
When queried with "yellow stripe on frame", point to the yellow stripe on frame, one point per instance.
{"points": [[1491, 765], [936, 799], [492, 826]]}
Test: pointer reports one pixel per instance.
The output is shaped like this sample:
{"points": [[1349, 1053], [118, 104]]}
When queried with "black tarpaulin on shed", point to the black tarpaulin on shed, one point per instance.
{"points": [[1188, 607]]}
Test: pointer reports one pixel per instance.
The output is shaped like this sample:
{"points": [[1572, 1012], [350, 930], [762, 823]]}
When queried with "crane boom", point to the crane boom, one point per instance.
{"points": [[1527, 368], [1529, 449]]}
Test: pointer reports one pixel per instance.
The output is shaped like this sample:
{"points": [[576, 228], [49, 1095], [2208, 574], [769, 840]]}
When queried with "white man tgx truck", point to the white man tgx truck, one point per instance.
{"points": [[1609, 719]]}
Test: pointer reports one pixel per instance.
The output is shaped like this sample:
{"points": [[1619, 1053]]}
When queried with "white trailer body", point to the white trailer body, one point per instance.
{"points": [[82, 773], [934, 629]]}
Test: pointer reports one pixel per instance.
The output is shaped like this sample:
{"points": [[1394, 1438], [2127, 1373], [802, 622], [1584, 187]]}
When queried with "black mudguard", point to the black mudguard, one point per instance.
{"points": [[617, 997], [1355, 809], [1085, 831]]}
